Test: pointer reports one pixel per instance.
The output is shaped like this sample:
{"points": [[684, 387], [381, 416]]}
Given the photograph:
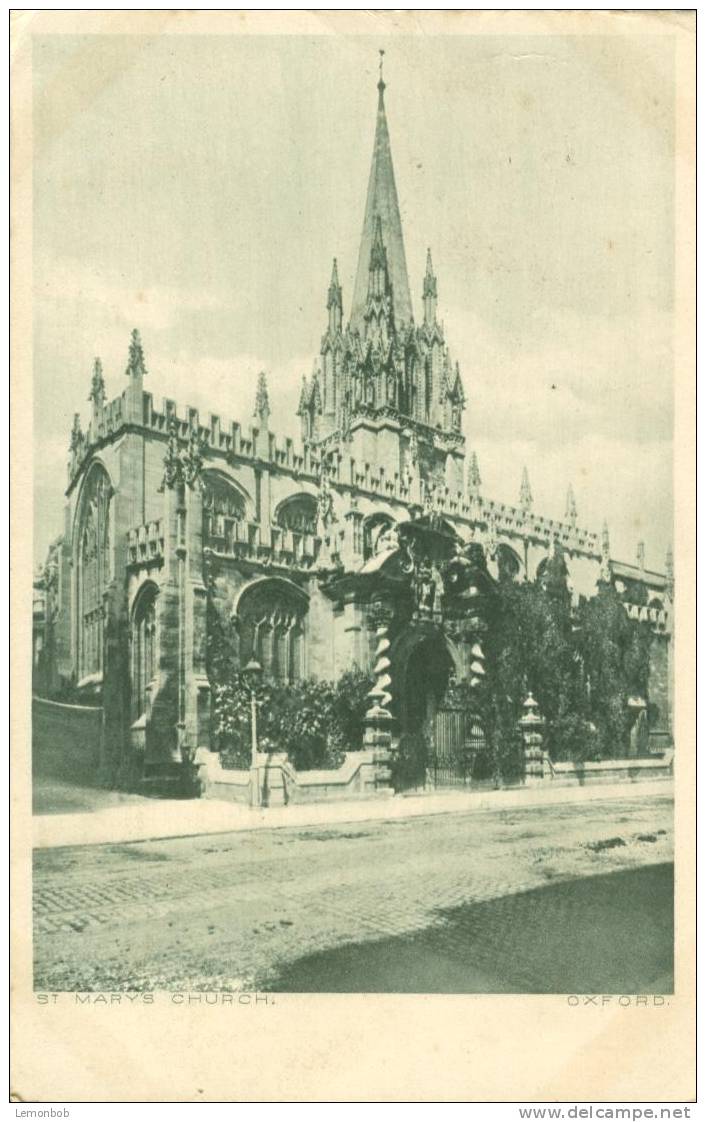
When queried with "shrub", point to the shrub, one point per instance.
{"points": [[314, 722]]}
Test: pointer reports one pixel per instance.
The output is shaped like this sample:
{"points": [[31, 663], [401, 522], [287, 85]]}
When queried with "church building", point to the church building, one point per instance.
{"points": [[365, 541]]}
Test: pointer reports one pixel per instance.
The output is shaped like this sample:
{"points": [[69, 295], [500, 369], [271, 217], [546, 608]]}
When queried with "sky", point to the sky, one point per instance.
{"points": [[198, 187]]}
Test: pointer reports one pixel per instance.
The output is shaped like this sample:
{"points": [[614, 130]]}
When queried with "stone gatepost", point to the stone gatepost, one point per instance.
{"points": [[532, 725], [378, 720]]}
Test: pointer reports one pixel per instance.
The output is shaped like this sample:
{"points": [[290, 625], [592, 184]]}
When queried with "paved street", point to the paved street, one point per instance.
{"points": [[572, 898]]}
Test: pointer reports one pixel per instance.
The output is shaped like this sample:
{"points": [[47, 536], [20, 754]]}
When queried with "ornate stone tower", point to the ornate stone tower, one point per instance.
{"points": [[387, 389]]}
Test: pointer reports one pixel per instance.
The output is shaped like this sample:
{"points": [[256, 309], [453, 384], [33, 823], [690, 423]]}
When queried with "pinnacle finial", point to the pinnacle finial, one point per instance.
{"points": [[76, 434], [641, 555], [262, 398], [525, 491], [136, 360], [474, 479], [97, 394], [429, 292], [335, 293]]}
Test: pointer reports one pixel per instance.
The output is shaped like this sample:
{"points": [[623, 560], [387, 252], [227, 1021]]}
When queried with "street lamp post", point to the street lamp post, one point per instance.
{"points": [[253, 674]]}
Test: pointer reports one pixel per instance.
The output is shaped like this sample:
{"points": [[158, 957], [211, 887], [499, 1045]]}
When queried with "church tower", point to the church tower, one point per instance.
{"points": [[386, 384]]}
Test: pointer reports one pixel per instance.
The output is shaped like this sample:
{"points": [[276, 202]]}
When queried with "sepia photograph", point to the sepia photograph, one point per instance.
{"points": [[352, 648]]}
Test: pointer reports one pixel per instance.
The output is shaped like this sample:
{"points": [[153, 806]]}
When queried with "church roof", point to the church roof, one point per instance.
{"points": [[382, 203]]}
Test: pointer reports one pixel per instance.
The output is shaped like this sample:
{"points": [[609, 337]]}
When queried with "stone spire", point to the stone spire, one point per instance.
{"points": [[382, 204], [570, 514], [335, 301], [136, 360], [429, 293], [525, 491], [262, 400], [474, 479]]}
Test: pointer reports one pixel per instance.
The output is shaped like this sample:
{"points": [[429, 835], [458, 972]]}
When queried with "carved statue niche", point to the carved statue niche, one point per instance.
{"points": [[428, 588]]}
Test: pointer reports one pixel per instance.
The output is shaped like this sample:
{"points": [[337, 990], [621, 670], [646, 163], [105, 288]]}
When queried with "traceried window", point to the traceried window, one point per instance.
{"points": [[270, 624], [93, 571], [223, 507], [298, 514], [144, 647]]}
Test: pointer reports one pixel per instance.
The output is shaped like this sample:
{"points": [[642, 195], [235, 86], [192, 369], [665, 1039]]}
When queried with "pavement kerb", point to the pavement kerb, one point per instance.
{"points": [[168, 819]]}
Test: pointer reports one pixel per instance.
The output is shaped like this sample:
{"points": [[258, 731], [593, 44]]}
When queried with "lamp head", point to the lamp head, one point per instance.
{"points": [[253, 673]]}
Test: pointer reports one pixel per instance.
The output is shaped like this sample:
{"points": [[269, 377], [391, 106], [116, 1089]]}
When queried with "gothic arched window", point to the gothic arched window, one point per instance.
{"points": [[509, 564], [93, 571], [377, 534], [223, 507], [270, 618], [144, 647], [298, 514]]}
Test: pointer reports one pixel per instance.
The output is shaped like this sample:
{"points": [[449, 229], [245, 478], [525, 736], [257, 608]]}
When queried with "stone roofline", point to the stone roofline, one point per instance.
{"points": [[232, 442]]}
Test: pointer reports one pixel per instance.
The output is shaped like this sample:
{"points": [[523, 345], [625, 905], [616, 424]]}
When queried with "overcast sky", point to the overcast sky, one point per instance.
{"points": [[198, 187]]}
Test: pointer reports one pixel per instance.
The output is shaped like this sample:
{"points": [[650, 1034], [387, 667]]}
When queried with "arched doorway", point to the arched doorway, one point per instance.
{"points": [[426, 678], [424, 670]]}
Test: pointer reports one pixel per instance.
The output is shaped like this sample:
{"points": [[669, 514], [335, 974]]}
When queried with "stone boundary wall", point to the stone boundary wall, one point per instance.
{"points": [[281, 785], [66, 741], [610, 771]]}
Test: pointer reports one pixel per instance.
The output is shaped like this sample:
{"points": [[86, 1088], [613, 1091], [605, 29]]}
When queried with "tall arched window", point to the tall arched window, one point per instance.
{"points": [[270, 619], [509, 564], [298, 514], [223, 507], [144, 647], [93, 570]]}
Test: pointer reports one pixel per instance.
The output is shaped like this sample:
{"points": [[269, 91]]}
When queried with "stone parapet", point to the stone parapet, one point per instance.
{"points": [[280, 784]]}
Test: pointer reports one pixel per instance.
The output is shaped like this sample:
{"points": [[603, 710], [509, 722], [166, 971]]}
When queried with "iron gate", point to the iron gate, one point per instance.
{"points": [[458, 742]]}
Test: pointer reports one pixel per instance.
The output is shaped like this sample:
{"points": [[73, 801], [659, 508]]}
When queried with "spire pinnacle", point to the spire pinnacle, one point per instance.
{"points": [[136, 360], [381, 82], [335, 292], [262, 399], [97, 394], [474, 479], [76, 438], [525, 491]]}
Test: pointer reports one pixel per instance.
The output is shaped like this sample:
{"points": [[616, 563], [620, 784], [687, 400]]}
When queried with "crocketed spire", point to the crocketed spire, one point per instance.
{"points": [[382, 204]]}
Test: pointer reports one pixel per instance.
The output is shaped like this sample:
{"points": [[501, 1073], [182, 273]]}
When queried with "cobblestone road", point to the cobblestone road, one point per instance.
{"points": [[231, 911]]}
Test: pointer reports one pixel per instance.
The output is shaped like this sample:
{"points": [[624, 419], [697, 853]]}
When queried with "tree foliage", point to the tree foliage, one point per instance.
{"points": [[580, 663]]}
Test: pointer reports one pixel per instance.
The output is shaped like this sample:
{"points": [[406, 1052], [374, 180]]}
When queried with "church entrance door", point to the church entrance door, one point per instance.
{"points": [[438, 738]]}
